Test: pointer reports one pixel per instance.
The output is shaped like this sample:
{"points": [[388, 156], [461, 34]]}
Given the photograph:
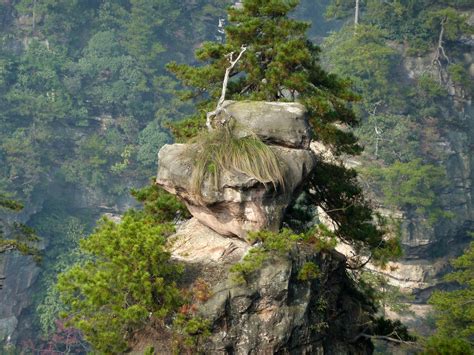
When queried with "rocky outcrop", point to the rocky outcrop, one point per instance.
{"points": [[15, 297], [241, 203], [276, 123], [274, 311], [194, 243]]}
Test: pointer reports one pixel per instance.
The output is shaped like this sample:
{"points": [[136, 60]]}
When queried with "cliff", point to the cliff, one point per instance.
{"points": [[273, 309]]}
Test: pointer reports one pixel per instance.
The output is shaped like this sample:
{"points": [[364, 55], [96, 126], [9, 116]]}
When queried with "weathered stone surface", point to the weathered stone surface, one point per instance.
{"points": [[193, 243], [15, 298], [274, 312], [240, 203], [280, 123]]}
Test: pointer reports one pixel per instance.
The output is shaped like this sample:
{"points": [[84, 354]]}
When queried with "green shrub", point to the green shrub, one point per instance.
{"points": [[190, 332], [269, 244], [129, 281], [447, 346], [309, 271]]}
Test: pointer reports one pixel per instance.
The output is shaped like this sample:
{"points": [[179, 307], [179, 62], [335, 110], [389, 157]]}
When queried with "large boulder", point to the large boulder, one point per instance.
{"points": [[279, 123], [240, 203]]}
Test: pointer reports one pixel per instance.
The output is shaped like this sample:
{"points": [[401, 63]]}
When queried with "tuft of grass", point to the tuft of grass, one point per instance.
{"points": [[220, 150]]}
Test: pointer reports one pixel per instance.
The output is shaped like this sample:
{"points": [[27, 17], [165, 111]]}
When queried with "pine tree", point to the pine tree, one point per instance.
{"points": [[455, 310], [15, 236], [281, 64], [125, 281]]}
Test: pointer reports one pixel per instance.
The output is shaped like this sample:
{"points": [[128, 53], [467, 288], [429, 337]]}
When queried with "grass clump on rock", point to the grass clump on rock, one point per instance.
{"points": [[221, 150]]}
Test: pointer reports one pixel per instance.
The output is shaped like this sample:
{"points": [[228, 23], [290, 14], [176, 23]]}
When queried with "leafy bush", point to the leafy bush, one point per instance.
{"points": [[411, 186], [447, 346], [268, 244], [129, 281]]}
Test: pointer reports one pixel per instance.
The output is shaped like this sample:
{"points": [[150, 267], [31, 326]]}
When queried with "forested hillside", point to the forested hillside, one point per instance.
{"points": [[86, 102]]}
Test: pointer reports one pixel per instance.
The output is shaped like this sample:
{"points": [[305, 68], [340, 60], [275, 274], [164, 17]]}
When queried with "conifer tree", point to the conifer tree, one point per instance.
{"points": [[455, 309], [281, 64]]}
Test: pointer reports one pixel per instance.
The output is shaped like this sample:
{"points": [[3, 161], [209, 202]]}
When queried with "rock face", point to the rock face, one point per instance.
{"points": [[195, 243], [14, 298], [279, 123], [274, 312], [241, 203]]}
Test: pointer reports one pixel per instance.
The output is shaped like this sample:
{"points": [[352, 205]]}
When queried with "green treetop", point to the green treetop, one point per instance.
{"points": [[280, 64]]}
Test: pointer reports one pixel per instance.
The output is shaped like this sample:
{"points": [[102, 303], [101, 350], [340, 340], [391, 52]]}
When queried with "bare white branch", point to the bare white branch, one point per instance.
{"points": [[228, 70]]}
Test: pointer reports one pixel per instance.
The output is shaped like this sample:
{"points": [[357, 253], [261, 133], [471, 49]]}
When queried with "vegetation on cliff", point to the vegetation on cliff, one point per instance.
{"points": [[14, 235], [85, 100], [455, 310], [280, 64], [127, 281]]}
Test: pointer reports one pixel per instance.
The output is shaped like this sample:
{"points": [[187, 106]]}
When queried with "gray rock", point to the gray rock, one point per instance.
{"points": [[240, 203], [280, 123], [274, 312], [7, 327]]}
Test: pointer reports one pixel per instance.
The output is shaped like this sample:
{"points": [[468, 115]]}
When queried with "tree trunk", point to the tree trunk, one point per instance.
{"points": [[34, 17], [356, 17]]}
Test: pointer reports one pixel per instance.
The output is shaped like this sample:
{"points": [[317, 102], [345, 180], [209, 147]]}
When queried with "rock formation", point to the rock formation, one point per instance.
{"points": [[274, 311], [240, 203]]}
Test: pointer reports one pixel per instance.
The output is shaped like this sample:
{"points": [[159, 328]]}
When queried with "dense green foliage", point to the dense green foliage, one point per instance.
{"points": [[82, 112], [455, 310], [279, 64], [271, 244], [400, 122], [117, 279], [128, 282], [416, 21], [85, 101], [410, 185]]}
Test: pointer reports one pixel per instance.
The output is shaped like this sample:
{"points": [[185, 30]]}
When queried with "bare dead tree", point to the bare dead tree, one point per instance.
{"points": [[378, 131], [233, 62], [356, 16], [34, 18], [440, 53]]}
